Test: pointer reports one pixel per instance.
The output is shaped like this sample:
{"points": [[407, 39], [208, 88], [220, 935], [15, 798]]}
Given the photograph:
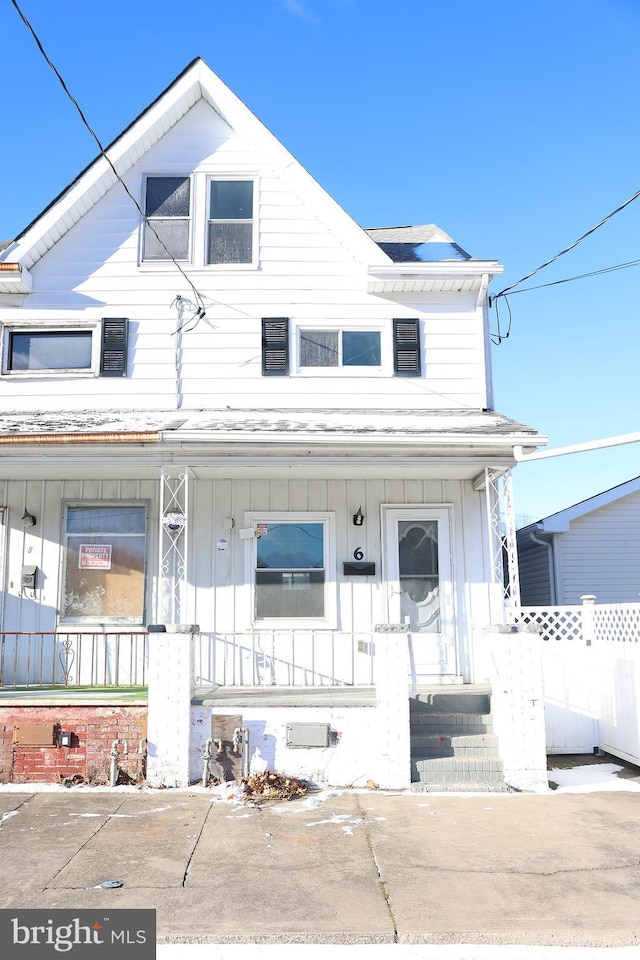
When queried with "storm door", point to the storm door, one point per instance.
{"points": [[420, 587]]}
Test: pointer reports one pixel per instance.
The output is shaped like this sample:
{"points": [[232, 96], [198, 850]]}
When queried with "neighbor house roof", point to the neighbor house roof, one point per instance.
{"points": [[559, 522]]}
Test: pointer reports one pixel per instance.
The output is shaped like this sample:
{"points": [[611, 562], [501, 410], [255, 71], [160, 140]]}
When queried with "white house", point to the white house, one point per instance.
{"points": [[224, 403], [592, 547]]}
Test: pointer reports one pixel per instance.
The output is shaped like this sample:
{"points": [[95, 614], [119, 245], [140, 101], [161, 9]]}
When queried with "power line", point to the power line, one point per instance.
{"points": [[566, 250], [580, 276], [498, 336], [199, 301]]}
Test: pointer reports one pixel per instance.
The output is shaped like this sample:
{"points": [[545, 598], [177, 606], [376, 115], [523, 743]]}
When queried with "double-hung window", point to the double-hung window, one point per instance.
{"points": [[230, 220], [167, 218], [204, 220], [104, 567], [293, 568]]}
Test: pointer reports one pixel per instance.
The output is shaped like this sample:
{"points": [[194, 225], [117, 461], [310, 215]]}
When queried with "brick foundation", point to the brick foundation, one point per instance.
{"points": [[94, 729]]}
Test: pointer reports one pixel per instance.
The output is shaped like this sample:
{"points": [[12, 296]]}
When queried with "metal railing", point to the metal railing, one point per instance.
{"points": [[286, 658], [49, 659]]}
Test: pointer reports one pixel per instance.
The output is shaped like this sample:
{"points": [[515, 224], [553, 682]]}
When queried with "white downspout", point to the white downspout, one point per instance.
{"points": [[552, 571]]}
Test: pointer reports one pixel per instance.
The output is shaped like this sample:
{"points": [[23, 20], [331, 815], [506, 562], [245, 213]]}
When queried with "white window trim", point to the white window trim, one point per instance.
{"points": [[46, 326], [71, 624], [386, 353], [198, 222], [330, 619]]}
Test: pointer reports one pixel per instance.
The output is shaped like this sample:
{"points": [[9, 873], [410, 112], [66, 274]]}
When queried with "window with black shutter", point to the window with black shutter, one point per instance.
{"points": [[406, 348], [113, 348], [275, 346]]}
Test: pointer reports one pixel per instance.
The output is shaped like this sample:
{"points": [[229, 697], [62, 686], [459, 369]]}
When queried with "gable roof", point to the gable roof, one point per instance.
{"points": [[559, 522], [196, 82]]}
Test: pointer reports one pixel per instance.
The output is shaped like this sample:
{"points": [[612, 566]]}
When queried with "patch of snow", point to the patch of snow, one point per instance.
{"points": [[590, 778]]}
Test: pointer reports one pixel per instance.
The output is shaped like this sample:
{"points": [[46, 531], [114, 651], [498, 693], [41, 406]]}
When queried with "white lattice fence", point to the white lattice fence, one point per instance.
{"points": [[555, 624], [616, 623], [568, 681], [591, 676], [616, 629]]}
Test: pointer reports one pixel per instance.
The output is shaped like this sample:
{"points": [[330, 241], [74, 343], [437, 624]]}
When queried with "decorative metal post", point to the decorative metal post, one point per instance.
{"points": [[502, 542], [173, 546]]}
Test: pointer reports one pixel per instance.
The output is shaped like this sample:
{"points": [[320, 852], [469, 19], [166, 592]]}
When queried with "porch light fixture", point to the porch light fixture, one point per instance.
{"points": [[28, 519], [174, 522], [358, 518]]}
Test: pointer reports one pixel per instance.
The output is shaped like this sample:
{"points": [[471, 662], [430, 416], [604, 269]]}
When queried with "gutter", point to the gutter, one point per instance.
{"points": [[65, 438]]}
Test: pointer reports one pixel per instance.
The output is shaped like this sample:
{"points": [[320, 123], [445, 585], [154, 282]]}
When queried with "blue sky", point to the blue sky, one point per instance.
{"points": [[512, 126]]}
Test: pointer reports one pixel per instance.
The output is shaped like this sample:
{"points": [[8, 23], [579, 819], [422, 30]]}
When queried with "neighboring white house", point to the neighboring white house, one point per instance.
{"points": [[592, 547], [225, 403]]}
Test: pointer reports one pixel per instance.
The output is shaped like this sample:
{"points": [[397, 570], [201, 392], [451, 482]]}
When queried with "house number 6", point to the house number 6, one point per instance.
{"points": [[358, 554]]}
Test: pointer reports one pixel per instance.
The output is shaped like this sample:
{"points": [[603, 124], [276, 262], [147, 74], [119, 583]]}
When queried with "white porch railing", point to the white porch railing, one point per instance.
{"points": [[286, 658], [591, 676], [41, 659]]}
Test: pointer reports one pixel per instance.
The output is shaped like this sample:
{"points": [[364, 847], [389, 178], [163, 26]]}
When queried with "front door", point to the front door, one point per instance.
{"points": [[420, 587]]}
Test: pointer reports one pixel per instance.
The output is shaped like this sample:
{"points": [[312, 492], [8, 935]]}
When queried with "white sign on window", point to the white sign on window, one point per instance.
{"points": [[94, 556]]}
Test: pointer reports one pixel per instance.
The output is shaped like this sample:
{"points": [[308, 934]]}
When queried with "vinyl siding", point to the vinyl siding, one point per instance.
{"points": [[600, 554], [306, 272]]}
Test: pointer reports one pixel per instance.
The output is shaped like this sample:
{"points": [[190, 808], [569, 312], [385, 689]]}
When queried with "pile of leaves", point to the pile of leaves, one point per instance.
{"points": [[273, 786]]}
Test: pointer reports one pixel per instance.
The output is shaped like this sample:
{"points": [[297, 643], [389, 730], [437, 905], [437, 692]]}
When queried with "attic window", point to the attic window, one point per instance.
{"points": [[168, 212], [230, 221]]}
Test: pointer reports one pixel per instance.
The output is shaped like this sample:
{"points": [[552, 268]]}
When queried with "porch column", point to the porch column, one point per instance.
{"points": [[503, 549], [171, 688], [514, 669], [392, 692]]}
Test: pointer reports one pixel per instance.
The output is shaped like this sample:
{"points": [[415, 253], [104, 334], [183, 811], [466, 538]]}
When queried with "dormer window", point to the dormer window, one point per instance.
{"points": [[168, 213], [230, 221]]}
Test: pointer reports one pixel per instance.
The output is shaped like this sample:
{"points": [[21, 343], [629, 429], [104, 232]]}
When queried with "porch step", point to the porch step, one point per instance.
{"points": [[451, 724], [453, 748], [427, 745], [476, 786]]}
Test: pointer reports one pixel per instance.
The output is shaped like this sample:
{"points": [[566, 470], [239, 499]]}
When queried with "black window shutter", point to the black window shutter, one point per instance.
{"points": [[275, 347], [113, 348], [406, 348]]}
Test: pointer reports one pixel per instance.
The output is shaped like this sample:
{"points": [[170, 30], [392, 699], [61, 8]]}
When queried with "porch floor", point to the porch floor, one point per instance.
{"points": [[33, 696], [285, 696]]}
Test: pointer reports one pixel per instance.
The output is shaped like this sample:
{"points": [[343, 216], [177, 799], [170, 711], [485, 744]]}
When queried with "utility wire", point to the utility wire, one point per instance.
{"points": [[199, 301], [567, 249], [580, 276]]}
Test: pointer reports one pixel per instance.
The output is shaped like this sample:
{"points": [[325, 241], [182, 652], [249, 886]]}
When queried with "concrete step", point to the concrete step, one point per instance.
{"points": [[457, 770], [426, 745], [451, 724], [458, 702], [475, 786]]}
